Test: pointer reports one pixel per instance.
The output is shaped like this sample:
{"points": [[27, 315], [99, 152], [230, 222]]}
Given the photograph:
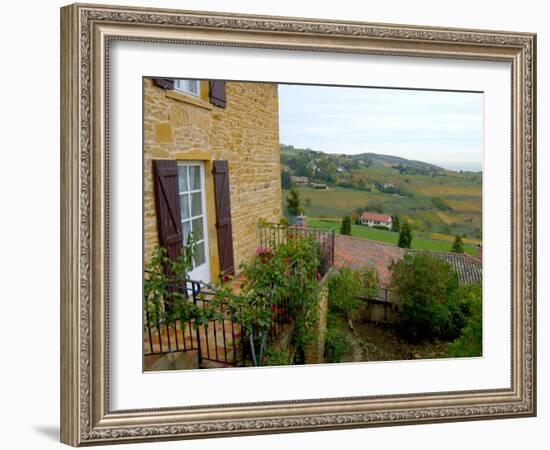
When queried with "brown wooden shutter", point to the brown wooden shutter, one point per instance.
{"points": [[223, 217], [167, 206], [164, 83], [217, 93]]}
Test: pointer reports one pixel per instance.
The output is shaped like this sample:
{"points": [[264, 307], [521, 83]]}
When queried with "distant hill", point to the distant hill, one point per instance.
{"points": [[432, 199], [389, 161]]}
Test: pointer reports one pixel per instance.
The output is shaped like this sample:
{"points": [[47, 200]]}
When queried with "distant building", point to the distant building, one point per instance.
{"points": [[372, 219], [319, 186], [300, 180], [388, 186], [300, 221]]}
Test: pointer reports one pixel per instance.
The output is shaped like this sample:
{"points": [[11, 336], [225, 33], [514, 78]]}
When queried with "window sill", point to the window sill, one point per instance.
{"points": [[186, 98]]}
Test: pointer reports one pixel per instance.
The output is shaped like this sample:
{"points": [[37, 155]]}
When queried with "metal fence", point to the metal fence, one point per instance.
{"points": [[219, 340], [272, 235]]}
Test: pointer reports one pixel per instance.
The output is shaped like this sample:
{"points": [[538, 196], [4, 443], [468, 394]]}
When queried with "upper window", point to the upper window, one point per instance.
{"points": [[188, 86]]}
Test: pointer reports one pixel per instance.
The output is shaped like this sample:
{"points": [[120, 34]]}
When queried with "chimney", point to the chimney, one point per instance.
{"points": [[479, 252]]}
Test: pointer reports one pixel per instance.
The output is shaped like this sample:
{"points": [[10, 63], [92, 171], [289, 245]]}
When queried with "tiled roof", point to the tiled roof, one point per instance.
{"points": [[468, 268], [375, 216], [355, 253]]}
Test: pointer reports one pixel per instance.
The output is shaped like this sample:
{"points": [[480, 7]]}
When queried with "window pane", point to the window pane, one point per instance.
{"points": [[200, 257], [196, 204], [194, 178], [198, 230], [184, 206], [189, 86], [193, 86], [186, 230], [182, 178]]}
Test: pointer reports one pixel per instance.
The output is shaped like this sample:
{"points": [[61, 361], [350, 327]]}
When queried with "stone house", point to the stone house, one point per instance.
{"points": [[211, 169]]}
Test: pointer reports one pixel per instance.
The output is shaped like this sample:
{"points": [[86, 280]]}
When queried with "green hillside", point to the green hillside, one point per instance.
{"points": [[430, 198], [389, 237]]}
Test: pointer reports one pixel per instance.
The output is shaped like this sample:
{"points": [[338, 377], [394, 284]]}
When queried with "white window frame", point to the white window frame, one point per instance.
{"points": [[202, 191], [187, 86]]}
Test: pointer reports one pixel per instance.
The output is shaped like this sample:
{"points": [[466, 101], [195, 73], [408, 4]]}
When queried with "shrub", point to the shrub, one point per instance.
{"points": [[369, 282], [276, 278], [293, 204], [336, 342], [457, 247], [405, 236], [430, 301], [347, 287], [344, 291], [470, 341], [345, 228], [395, 224]]}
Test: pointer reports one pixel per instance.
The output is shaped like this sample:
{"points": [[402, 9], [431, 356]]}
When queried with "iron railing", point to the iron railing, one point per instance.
{"points": [[219, 340], [273, 234]]}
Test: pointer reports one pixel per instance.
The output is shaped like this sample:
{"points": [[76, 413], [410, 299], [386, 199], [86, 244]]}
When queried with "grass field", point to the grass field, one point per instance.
{"points": [[418, 210], [440, 201], [389, 237]]}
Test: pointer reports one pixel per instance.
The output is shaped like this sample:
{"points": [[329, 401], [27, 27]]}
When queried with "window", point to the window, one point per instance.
{"points": [[191, 87], [193, 215]]}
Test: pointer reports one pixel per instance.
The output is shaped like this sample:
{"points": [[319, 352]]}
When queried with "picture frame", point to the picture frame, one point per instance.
{"points": [[87, 32]]}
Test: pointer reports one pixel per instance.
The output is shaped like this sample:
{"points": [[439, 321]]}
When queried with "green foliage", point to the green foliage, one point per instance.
{"points": [[282, 278], [428, 290], [369, 282], [336, 341], [286, 180], [344, 291], [345, 228], [293, 206], [164, 295], [405, 236], [347, 287], [457, 246], [277, 357], [470, 341], [395, 224]]}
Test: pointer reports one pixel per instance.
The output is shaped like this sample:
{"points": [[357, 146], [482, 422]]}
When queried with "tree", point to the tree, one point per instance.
{"points": [[470, 341], [395, 224], [346, 226], [293, 203], [286, 180], [429, 295], [405, 236], [457, 247]]}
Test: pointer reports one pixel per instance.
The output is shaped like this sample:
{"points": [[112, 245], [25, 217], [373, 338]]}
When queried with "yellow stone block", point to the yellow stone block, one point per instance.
{"points": [[163, 133]]}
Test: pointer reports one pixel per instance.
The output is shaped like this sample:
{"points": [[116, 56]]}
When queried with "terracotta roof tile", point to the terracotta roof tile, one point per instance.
{"points": [[356, 253], [375, 216]]}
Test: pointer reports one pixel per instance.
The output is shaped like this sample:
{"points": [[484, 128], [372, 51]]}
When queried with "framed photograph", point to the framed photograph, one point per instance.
{"points": [[278, 224]]}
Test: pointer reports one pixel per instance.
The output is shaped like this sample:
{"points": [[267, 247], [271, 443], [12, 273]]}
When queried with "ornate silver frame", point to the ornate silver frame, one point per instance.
{"points": [[86, 31]]}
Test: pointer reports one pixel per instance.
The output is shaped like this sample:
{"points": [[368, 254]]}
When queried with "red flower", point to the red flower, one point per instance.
{"points": [[225, 278], [263, 251], [318, 276], [280, 311], [273, 308]]}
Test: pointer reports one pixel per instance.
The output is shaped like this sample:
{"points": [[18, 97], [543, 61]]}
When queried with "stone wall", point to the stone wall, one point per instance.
{"points": [[314, 352], [245, 133]]}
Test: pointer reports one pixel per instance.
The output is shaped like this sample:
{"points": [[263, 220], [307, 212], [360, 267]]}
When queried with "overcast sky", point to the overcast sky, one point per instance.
{"points": [[442, 128]]}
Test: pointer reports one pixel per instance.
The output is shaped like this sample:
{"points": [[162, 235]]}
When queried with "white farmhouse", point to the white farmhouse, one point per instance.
{"points": [[372, 219]]}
